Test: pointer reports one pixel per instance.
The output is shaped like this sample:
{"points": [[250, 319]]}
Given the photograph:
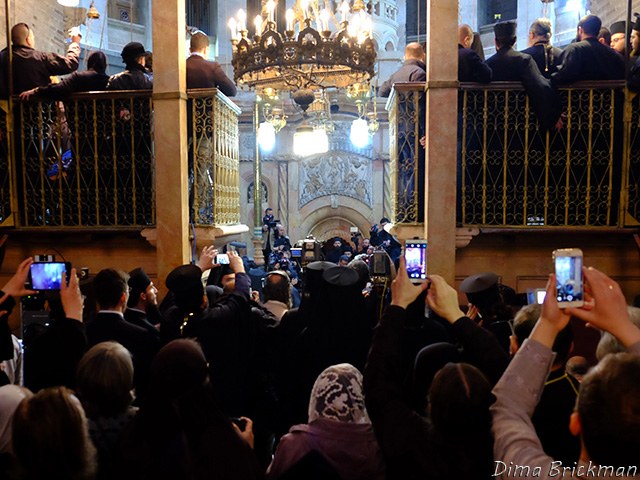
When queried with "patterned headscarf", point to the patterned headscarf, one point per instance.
{"points": [[337, 395]]}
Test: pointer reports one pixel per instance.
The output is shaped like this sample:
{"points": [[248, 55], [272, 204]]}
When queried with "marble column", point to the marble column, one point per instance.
{"points": [[441, 133], [170, 136]]}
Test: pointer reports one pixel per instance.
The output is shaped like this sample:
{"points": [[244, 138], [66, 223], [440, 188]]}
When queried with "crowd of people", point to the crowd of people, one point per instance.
{"points": [[399, 381], [33, 69]]}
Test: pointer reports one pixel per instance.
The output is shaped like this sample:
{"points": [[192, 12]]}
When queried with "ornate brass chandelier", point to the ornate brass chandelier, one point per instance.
{"points": [[304, 57]]}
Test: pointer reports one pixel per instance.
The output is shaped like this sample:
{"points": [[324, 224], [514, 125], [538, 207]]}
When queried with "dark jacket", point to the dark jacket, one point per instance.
{"points": [[107, 326], [51, 359], [508, 65], [547, 57], [32, 68], [552, 414], [85, 81], [411, 71], [139, 319], [135, 78], [471, 68], [410, 445], [589, 60], [227, 332], [202, 73]]}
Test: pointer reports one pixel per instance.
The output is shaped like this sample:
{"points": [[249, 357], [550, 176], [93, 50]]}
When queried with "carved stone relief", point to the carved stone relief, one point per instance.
{"points": [[335, 173]]}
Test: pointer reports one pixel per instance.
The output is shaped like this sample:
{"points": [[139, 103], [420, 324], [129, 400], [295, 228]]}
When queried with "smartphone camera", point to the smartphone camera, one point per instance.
{"points": [[222, 259], [47, 275], [569, 282], [415, 257]]}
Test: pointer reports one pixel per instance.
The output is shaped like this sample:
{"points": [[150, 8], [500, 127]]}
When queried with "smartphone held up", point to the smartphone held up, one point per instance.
{"points": [[569, 281], [48, 275], [415, 257]]}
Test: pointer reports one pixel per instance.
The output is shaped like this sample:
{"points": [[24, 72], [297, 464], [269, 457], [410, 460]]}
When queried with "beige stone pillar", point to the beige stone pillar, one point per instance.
{"points": [[170, 135], [441, 133]]}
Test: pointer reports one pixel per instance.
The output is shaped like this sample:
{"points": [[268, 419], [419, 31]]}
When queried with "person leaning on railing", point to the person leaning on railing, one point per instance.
{"points": [[588, 59], [135, 76], [92, 79]]}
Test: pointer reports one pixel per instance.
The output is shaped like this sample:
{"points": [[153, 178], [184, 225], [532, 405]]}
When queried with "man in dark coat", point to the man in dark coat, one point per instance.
{"points": [[142, 306], [202, 73], [32, 68], [546, 56], [112, 292], [508, 65], [588, 59], [471, 68], [413, 69], [135, 76]]}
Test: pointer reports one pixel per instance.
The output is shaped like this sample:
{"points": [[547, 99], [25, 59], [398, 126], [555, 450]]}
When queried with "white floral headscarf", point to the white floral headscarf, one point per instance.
{"points": [[337, 395]]}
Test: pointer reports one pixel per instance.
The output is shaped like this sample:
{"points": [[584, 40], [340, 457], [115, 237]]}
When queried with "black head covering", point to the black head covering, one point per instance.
{"points": [[504, 30], [636, 24], [618, 27], [132, 51], [184, 279], [428, 362], [481, 289], [138, 280], [340, 276], [384, 220]]}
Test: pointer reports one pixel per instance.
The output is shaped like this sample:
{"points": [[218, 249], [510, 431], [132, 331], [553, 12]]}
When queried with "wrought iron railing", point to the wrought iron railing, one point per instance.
{"points": [[512, 173], [214, 153], [88, 162], [406, 127]]}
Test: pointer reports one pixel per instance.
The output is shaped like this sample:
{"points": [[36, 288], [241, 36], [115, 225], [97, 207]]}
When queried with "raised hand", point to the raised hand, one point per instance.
{"points": [[403, 292], [609, 308], [443, 299], [72, 299]]}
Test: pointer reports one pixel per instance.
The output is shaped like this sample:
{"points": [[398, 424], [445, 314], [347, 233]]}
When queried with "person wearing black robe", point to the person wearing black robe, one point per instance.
{"points": [[546, 56], [471, 68], [509, 65], [588, 59]]}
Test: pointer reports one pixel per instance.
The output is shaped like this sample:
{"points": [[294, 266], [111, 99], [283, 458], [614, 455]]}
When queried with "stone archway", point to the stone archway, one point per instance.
{"points": [[325, 223]]}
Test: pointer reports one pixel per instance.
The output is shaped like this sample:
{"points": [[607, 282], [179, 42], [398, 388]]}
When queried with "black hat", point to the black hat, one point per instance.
{"points": [[131, 51], [481, 289], [618, 27], [138, 282], [384, 220], [320, 266], [636, 24], [340, 276], [185, 278], [504, 30]]}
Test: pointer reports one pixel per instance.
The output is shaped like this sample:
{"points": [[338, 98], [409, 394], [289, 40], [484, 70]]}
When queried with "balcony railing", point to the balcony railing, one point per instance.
{"points": [[511, 173], [88, 162]]}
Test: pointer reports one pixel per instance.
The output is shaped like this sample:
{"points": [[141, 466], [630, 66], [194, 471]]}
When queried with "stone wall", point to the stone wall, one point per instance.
{"points": [[46, 18], [612, 10]]}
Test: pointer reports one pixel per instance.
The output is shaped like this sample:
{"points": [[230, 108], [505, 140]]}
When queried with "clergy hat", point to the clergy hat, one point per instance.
{"points": [[132, 51], [504, 30], [340, 276], [138, 283], [185, 278], [618, 27], [636, 24], [481, 289]]}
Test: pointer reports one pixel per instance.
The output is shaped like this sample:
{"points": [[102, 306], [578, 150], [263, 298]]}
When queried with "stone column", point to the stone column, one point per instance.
{"points": [[170, 135], [441, 132]]}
